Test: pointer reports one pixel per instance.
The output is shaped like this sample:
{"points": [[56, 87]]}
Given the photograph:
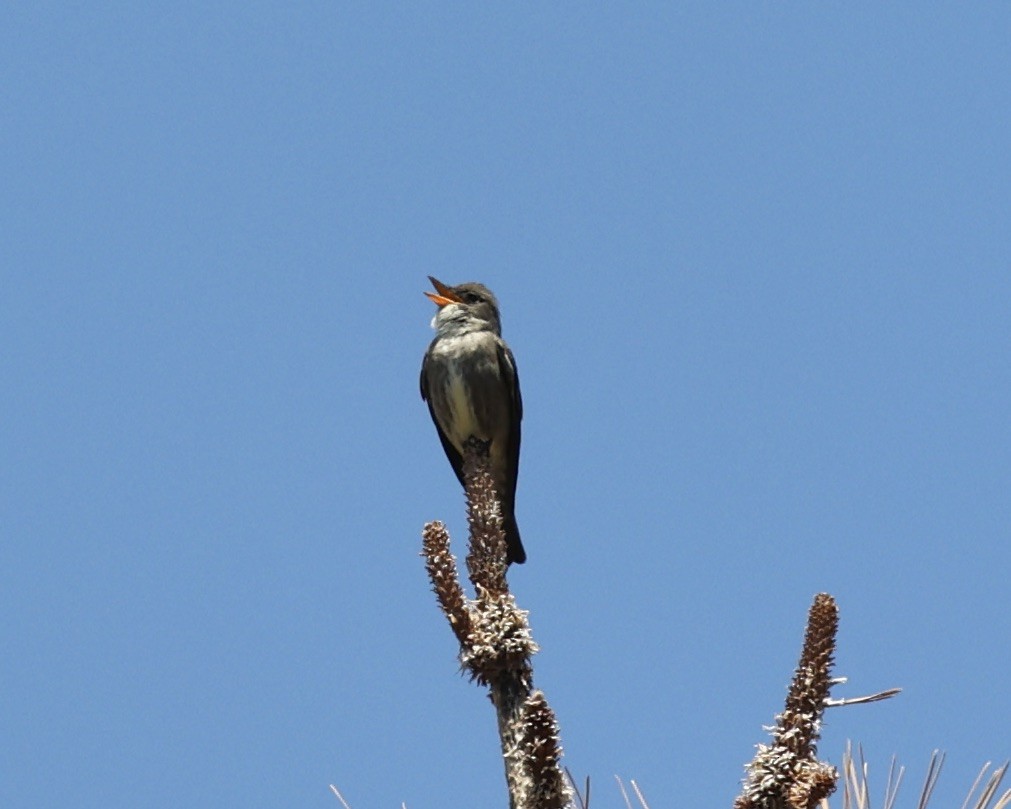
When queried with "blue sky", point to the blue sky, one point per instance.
{"points": [[754, 262]]}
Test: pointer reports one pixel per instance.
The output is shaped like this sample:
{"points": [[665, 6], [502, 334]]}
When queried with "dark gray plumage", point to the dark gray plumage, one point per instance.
{"points": [[469, 379]]}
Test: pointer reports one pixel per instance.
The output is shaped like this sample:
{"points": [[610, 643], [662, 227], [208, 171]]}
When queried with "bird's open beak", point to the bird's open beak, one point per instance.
{"points": [[443, 296]]}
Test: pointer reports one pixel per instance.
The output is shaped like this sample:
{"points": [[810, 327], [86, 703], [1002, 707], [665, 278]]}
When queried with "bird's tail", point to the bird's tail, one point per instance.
{"points": [[514, 547]]}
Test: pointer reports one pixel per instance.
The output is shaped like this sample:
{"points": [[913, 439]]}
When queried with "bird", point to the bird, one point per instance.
{"points": [[469, 380]]}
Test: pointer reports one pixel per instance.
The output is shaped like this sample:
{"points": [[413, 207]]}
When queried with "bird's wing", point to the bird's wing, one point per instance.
{"points": [[455, 458], [511, 377], [424, 387]]}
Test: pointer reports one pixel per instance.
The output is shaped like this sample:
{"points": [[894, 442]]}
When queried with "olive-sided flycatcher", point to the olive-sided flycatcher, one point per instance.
{"points": [[469, 380]]}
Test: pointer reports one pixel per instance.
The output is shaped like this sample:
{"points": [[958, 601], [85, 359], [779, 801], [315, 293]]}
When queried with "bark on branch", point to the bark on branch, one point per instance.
{"points": [[787, 774], [496, 645]]}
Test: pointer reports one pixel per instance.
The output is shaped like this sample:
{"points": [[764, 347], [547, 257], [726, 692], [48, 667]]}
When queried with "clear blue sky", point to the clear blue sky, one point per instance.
{"points": [[754, 262]]}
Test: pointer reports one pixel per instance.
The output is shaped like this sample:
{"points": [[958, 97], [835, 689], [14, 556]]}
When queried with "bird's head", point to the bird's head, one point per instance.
{"points": [[465, 305]]}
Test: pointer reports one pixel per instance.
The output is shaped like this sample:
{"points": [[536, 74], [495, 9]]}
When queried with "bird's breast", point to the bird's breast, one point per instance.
{"points": [[464, 420], [472, 389]]}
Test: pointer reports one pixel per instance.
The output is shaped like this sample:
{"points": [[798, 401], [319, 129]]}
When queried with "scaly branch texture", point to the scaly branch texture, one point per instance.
{"points": [[496, 645], [787, 773]]}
